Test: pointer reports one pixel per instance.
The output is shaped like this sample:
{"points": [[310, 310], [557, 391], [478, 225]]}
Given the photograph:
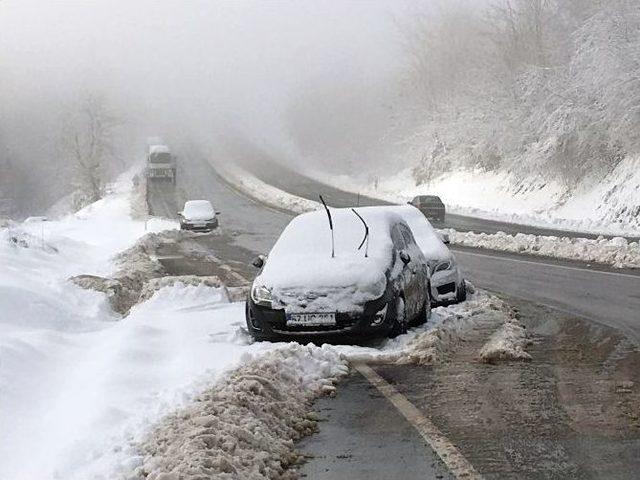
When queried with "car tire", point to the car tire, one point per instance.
{"points": [[257, 335], [461, 293], [425, 313], [399, 320]]}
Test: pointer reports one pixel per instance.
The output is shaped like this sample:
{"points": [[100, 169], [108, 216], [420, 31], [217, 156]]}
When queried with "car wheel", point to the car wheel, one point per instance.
{"points": [[461, 294], [257, 335], [400, 319], [425, 313]]}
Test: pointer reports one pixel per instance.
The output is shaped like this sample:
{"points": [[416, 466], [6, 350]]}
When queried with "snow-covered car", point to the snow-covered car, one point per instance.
{"points": [[447, 280], [198, 215], [431, 207], [375, 284]]}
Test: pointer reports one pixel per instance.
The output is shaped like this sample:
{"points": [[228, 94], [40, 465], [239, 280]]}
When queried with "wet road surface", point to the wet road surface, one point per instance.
{"points": [[386, 445], [570, 413]]}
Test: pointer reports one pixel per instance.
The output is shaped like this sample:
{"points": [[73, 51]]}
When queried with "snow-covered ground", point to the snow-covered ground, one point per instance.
{"points": [[85, 393], [609, 205], [253, 187]]}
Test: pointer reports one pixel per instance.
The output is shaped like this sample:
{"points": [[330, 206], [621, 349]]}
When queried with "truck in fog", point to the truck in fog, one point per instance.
{"points": [[161, 164]]}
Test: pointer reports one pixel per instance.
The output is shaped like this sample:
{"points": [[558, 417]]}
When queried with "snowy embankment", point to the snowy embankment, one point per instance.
{"points": [[255, 188], [246, 424], [609, 205], [617, 252]]}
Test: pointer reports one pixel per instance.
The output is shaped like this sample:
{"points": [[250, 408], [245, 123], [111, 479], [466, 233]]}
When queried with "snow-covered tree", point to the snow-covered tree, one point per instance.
{"points": [[546, 88], [88, 144]]}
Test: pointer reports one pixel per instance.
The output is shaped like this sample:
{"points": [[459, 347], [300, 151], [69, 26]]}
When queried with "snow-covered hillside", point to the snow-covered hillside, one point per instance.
{"points": [[609, 205]]}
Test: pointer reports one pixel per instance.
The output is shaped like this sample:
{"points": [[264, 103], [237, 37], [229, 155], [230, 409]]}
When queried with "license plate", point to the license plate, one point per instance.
{"points": [[311, 319]]}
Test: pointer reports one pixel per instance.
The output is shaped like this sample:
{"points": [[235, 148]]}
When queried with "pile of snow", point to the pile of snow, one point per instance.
{"points": [[253, 187], [155, 284], [138, 198], [507, 343], [64, 358], [245, 425], [617, 252], [609, 205], [435, 341]]}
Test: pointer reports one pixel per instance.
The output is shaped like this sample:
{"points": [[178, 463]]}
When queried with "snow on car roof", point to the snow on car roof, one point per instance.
{"points": [[199, 205], [158, 149], [302, 255], [425, 235]]}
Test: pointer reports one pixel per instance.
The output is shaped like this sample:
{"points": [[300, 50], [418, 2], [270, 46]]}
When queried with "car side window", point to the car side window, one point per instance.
{"points": [[407, 236], [397, 238]]}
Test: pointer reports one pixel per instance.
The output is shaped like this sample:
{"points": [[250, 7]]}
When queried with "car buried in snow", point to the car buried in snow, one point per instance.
{"points": [[340, 272], [198, 215], [447, 281]]}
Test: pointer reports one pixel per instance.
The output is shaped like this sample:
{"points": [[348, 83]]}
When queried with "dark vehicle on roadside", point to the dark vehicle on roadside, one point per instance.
{"points": [[363, 277], [198, 215], [431, 207]]}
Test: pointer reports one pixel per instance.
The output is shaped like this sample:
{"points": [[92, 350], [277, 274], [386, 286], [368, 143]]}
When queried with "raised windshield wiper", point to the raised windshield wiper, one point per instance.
{"points": [[366, 234], [333, 252]]}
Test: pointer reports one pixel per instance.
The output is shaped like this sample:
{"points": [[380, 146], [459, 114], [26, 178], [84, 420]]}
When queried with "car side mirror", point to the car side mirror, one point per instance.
{"points": [[179, 214], [258, 262], [405, 257], [446, 239], [218, 212], [409, 203]]}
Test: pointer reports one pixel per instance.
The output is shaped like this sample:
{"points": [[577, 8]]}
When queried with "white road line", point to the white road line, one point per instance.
{"points": [[529, 262], [450, 455]]}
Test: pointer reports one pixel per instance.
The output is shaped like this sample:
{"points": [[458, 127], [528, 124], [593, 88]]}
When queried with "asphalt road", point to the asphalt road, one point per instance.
{"points": [[251, 225]]}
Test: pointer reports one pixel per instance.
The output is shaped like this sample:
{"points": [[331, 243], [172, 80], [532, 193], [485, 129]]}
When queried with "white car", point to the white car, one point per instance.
{"points": [[198, 215], [447, 282]]}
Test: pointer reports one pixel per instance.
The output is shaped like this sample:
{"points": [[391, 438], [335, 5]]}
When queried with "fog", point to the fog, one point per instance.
{"points": [[299, 78], [544, 89]]}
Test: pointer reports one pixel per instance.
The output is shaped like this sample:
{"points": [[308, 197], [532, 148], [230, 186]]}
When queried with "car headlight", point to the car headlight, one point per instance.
{"points": [[261, 295], [442, 266]]}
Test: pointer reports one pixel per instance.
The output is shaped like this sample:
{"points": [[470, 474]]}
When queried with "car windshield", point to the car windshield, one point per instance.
{"points": [[430, 199], [160, 157]]}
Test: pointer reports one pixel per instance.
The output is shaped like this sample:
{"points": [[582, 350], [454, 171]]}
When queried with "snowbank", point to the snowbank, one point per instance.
{"points": [[617, 252], [609, 205], [506, 343], [63, 357], [245, 426], [433, 342], [253, 187]]}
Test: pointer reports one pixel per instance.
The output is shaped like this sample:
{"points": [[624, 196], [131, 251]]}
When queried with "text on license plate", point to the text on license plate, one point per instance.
{"points": [[311, 319]]}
